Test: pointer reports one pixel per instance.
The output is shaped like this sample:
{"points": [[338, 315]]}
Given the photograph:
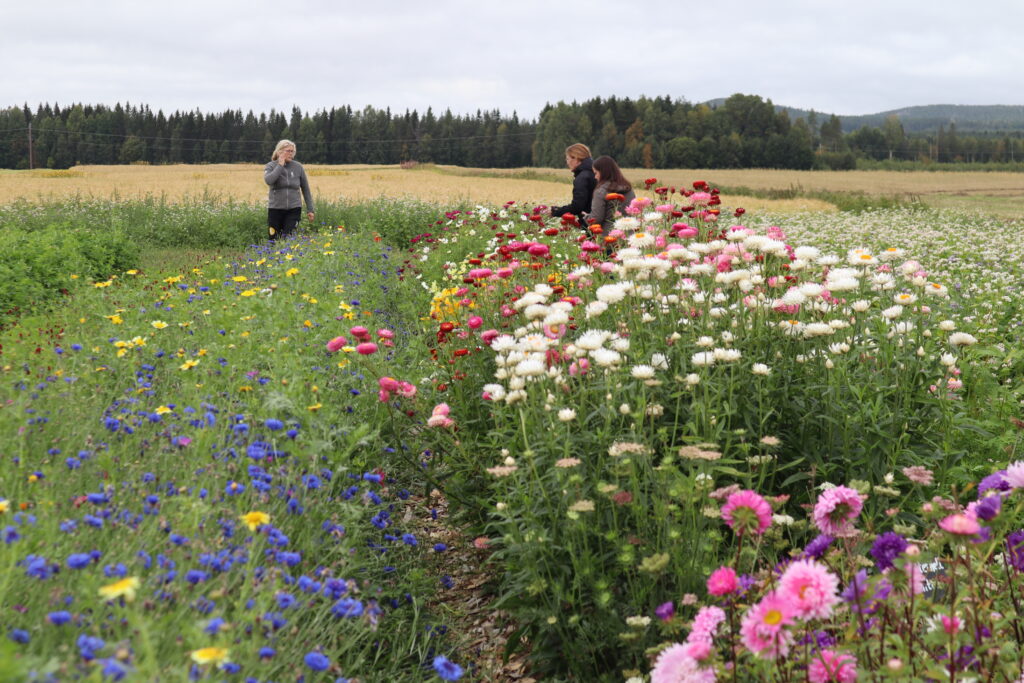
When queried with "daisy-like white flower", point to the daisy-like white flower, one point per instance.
{"points": [[642, 372], [611, 293], [703, 358], [892, 312], [606, 357], [962, 339], [727, 355], [566, 415], [760, 369], [905, 298], [591, 339]]}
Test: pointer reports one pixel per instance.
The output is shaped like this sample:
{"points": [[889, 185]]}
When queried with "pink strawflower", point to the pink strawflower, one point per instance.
{"points": [[406, 389], [674, 665], [811, 588], [359, 332], [366, 348], [832, 667], [763, 630], [336, 344], [723, 581], [746, 511], [961, 524], [487, 336], [439, 417], [835, 511], [385, 333], [474, 322], [389, 384]]}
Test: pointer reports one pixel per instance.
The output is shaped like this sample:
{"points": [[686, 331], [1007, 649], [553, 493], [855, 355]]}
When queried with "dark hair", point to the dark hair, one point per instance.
{"points": [[611, 174]]}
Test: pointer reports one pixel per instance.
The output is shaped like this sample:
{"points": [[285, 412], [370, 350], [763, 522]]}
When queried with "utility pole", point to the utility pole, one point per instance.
{"points": [[31, 155]]}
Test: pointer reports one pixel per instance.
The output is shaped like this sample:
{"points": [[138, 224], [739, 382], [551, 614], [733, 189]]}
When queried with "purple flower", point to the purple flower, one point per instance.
{"points": [[1015, 549], [887, 547], [316, 661], [993, 482], [988, 507], [818, 546], [447, 669], [665, 611], [863, 597]]}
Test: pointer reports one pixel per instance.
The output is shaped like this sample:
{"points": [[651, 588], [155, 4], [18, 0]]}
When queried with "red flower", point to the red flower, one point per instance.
{"points": [[739, 212], [700, 185]]}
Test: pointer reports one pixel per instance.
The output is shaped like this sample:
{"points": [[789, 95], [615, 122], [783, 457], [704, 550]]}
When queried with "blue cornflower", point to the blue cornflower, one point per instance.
{"points": [[195, 576], [214, 626], [273, 424], [178, 539], [347, 607], [285, 600], [68, 525], [409, 539], [10, 535], [73, 463], [78, 560], [311, 481], [292, 433], [267, 653], [316, 661], [440, 547], [97, 498], [113, 669], [447, 581], [118, 570], [88, 645], [233, 488], [289, 558], [447, 669], [19, 635], [59, 618]]}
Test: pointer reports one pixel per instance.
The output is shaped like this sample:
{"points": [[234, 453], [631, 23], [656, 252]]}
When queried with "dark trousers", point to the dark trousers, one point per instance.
{"points": [[281, 222]]}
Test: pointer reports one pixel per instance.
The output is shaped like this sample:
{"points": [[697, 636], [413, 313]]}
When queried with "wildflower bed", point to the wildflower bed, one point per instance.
{"points": [[234, 470]]}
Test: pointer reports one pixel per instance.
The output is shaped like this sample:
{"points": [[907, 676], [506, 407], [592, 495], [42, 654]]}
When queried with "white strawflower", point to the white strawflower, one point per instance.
{"points": [[807, 253], [611, 293], [760, 369], [962, 339], [811, 289], [817, 330], [620, 344], [624, 409], [703, 358], [566, 415], [596, 308], [706, 342], [892, 312], [529, 368], [947, 325], [659, 361], [693, 379], [503, 343], [860, 305], [948, 359], [905, 298], [642, 372], [606, 358], [495, 391], [726, 355], [591, 339]]}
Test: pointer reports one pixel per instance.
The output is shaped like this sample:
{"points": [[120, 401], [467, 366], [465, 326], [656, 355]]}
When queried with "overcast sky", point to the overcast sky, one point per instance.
{"points": [[835, 56]]}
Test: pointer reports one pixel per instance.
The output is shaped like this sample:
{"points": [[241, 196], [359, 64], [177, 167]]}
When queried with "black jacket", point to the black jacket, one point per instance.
{"points": [[582, 191]]}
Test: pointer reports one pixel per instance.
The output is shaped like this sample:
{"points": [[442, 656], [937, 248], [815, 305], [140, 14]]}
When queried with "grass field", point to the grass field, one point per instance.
{"points": [[998, 193]]}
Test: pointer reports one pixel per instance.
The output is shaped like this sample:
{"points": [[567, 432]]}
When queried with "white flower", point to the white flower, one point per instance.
{"points": [[659, 361], [693, 379], [760, 369], [611, 293], [782, 520], [596, 308], [529, 368], [534, 311], [566, 415], [947, 325], [503, 343], [641, 240], [817, 330], [642, 372], [703, 358], [807, 253], [905, 298], [624, 409], [606, 357], [495, 391], [962, 339], [843, 285], [892, 312], [935, 289], [948, 359], [620, 344], [811, 289], [706, 342], [627, 224], [726, 355], [590, 340], [860, 305]]}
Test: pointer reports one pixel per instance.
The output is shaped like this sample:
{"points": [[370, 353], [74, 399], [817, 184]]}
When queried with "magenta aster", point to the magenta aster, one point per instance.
{"points": [[835, 511], [747, 512]]}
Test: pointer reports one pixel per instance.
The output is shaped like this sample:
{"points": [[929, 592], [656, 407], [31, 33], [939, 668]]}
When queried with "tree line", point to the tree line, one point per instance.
{"points": [[743, 131]]}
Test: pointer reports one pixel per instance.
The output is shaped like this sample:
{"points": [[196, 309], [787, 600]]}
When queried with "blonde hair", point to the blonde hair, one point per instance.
{"points": [[281, 145], [577, 151]]}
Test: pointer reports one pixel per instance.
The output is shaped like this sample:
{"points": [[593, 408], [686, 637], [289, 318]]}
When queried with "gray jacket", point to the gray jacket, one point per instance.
{"points": [[285, 183], [603, 211]]}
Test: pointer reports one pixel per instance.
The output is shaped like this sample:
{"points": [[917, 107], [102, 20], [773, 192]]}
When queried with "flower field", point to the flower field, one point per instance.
{"points": [[707, 445]]}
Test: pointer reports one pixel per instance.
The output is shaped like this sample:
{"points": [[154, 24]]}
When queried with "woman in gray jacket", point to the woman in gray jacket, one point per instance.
{"points": [[610, 183], [286, 179]]}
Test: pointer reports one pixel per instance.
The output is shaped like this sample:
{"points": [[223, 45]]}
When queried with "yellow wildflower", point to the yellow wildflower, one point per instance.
{"points": [[255, 519], [315, 407], [249, 292], [4, 506], [158, 324], [210, 655], [189, 364], [291, 271], [125, 588], [162, 410], [239, 278]]}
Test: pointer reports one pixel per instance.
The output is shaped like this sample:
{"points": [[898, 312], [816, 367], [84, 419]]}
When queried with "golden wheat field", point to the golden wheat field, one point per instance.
{"points": [[1000, 193]]}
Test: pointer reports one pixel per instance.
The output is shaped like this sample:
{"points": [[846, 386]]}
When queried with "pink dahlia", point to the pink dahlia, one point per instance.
{"points": [[811, 588], [674, 665], [832, 667], [746, 511], [835, 511], [764, 626], [723, 581]]}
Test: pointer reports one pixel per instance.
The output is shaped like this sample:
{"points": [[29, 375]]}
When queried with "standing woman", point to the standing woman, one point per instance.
{"points": [[577, 158], [609, 181], [286, 178]]}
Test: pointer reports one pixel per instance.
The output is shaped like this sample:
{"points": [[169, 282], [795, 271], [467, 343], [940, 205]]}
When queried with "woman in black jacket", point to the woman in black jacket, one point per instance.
{"points": [[577, 158]]}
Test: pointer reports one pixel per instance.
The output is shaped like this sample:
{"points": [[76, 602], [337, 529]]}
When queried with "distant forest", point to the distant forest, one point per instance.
{"points": [[742, 131]]}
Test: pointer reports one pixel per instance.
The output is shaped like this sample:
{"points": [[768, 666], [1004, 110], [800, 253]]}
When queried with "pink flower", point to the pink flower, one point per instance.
{"points": [[835, 511], [538, 249], [723, 581], [488, 336], [474, 322], [366, 348], [336, 344], [359, 332], [700, 198], [406, 389], [919, 475], [388, 384], [832, 667], [763, 630], [705, 624], [505, 272], [384, 333], [1015, 475], [811, 589], [674, 665], [961, 524], [746, 511], [951, 624]]}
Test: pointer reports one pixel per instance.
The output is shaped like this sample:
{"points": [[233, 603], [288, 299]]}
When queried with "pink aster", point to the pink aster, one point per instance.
{"points": [[961, 524], [706, 623], [1015, 475], [811, 589], [832, 667], [746, 511], [723, 581], [366, 348], [674, 665], [835, 511], [763, 630]]}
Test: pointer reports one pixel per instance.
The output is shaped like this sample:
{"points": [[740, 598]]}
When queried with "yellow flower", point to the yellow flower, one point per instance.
{"points": [[244, 388], [101, 285], [315, 407], [124, 588], [249, 292], [4, 506], [133, 271], [210, 655], [261, 262], [291, 271], [158, 324], [189, 364], [307, 323], [74, 277], [116, 319], [201, 352], [239, 278], [255, 519], [349, 316], [162, 410]]}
